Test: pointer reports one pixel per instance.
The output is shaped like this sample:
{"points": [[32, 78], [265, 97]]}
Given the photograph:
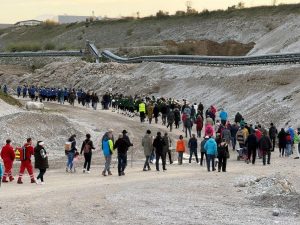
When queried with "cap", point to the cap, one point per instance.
{"points": [[124, 132]]}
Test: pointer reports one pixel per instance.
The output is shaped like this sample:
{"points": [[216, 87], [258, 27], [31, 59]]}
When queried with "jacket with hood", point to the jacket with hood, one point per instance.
{"points": [[147, 143], [211, 147]]}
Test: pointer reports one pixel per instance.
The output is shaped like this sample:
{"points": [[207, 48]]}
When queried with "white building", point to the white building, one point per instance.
{"points": [[63, 19], [28, 23]]}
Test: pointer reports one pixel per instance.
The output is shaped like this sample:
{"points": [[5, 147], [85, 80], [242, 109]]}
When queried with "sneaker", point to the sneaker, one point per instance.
{"points": [[103, 173], [33, 181], [144, 169], [42, 183], [122, 173], [109, 173], [296, 157], [83, 170], [88, 171], [4, 181], [149, 168], [67, 170], [11, 179], [164, 169], [20, 181]]}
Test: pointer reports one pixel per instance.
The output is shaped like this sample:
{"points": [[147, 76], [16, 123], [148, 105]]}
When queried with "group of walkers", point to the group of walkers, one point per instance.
{"points": [[8, 156]]}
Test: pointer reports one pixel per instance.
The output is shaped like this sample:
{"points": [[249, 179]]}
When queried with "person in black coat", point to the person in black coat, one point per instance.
{"points": [[156, 113], [282, 141], [41, 161], [265, 146], [159, 144], [252, 144], [122, 145], [193, 145], [86, 148], [223, 153]]}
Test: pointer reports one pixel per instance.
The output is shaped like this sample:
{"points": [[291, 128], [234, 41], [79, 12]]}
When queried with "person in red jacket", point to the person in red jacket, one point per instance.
{"points": [[25, 157], [199, 123], [8, 156]]}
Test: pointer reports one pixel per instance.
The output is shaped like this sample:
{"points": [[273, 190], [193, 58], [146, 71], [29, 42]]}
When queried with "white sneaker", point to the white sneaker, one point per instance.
{"points": [[42, 183], [37, 181], [88, 171]]}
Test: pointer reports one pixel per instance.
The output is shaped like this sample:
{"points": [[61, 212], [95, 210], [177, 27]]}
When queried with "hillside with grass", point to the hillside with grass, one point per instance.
{"points": [[245, 26]]}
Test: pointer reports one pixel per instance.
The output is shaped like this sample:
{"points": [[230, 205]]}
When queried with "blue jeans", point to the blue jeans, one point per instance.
{"points": [[70, 160], [212, 159], [122, 162], [288, 150], [233, 141]]}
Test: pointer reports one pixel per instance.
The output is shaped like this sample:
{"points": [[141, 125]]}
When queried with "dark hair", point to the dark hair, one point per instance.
{"points": [[180, 137], [148, 132], [29, 140], [158, 133], [8, 141], [88, 136], [272, 124]]}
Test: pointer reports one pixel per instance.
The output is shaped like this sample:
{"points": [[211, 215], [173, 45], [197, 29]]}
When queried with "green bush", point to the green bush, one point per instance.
{"points": [[49, 46], [22, 47]]}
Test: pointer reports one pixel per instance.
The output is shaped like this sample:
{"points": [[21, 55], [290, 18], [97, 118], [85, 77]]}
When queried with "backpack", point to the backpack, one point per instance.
{"points": [[23, 154], [87, 147]]}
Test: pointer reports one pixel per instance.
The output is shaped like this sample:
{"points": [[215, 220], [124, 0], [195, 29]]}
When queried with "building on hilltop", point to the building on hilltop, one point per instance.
{"points": [[63, 19], [28, 23]]}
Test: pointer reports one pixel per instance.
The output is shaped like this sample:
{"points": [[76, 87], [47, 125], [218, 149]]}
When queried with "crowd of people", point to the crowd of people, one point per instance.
{"points": [[209, 132]]}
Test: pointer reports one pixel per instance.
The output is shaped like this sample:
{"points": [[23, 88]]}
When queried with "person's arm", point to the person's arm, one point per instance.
{"points": [[43, 153], [13, 154], [92, 145], [82, 147]]}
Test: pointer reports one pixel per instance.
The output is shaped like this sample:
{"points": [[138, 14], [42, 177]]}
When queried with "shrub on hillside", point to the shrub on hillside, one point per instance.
{"points": [[49, 46], [22, 47]]}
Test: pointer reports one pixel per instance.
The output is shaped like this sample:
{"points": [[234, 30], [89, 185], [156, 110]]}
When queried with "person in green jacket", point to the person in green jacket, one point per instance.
{"points": [[297, 143]]}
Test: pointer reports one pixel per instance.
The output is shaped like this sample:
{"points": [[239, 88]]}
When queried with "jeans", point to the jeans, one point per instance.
{"points": [[281, 151], [163, 159], [95, 105], [273, 139], [170, 125], [152, 156], [142, 116], [70, 160], [62, 100], [180, 157], [193, 151], [233, 141], [164, 119], [253, 153], [199, 133], [210, 158], [176, 123], [41, 174], [188, 129], [87, 161], [288, 150], [107, 163], [147, 162], [122, 162]]}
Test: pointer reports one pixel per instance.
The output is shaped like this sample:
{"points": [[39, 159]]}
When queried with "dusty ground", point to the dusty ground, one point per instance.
{"points": [[182, 195]]}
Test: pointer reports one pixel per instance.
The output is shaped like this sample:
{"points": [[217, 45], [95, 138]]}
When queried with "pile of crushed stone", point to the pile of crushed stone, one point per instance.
{"points": [[272, 191]]}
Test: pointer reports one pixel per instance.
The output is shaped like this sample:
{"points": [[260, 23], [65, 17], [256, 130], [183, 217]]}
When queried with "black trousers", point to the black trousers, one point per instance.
{"points": [[266, 154], [163, 159], [193, 151], [222, 163], [87, 161], [253, 153], [41, 174], [177, 123], [273, 139], [170, 156], [201, 160]]}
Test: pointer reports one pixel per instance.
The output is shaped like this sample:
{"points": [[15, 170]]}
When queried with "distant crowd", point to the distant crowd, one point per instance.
{"points": [[209, 133]]}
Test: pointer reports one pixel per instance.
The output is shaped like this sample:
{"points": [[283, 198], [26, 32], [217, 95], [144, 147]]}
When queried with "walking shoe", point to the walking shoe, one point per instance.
{"points": [[42, 183], [33, 181], [122, 173], [144, 169], [149, 168], [171, 162], [164, 169], [83, 170], [11, 179], [67, 170], [20, 181], [103, 173], [88, 171], [4, 180], [109, 173]]}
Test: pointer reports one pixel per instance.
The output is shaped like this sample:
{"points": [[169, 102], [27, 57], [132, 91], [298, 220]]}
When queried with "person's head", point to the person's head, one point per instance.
{"points": [[206, 137], [110, 130], [282, 130], [124, 132], [8, 141], [271, 124], [158, 134], [120, 135], [40, 143], [29, 141], [180, 137], [73, 136], [148, 132], [194, 135], [88, 136]]}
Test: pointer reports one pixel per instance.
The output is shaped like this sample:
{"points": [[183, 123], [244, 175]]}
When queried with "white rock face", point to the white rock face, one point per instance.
{"points": [[34, 106]]}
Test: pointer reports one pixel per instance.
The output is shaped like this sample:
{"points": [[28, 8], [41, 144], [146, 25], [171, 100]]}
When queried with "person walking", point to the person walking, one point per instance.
{"points": [[40, 161], [8, 157], [147, 143], [180, 148], [273, 134], [193, 146], [86, 149], [150, 109], [188, 126], [223, 116], [251, 144], [211, 151], [71, 153], [142, 111], [265, 146], [122, 146], [25, 158], [159, 144], [177, 117], [223, 154], [289, 143], [170, 119], [203, 151], [156, 113], [167, 146], [233, 130], [199, 125], [282, 142], [108, 150]]}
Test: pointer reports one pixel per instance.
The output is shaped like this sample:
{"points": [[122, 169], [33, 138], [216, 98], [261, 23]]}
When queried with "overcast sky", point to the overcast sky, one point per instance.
{"points": [[12, 11]]}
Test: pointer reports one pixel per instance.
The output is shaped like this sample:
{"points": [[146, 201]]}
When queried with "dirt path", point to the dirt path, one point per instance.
{"points": [[185, 194]]}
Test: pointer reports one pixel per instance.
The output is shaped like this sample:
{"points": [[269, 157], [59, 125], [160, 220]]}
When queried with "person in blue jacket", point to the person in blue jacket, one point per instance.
{"points": [[211, 152], [108, 150], [1, 173], [223, 116]]}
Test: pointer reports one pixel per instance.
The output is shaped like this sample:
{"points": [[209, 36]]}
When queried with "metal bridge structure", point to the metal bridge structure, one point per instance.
{"points": [[91, 50]]}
